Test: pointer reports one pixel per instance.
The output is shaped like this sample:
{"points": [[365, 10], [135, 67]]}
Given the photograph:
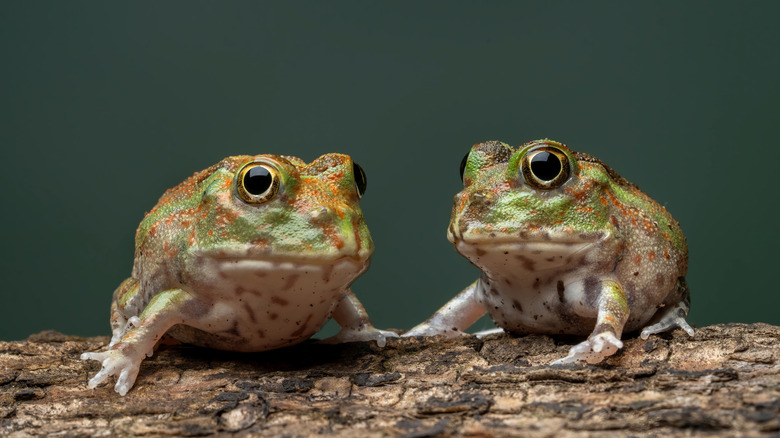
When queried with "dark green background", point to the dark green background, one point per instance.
{"points": [[106, 104]]}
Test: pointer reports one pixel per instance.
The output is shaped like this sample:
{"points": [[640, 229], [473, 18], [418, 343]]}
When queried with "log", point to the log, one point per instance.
{"points": [[723, 381]]}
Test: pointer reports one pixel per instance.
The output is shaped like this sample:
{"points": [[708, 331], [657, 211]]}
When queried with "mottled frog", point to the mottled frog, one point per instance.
{"points": [[251, 254], [565, 246]]}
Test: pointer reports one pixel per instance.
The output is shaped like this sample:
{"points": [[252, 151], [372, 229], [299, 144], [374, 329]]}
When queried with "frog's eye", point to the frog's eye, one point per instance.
{"points": [[463, 164], [257, 183], [360, 179], [545, 167]]}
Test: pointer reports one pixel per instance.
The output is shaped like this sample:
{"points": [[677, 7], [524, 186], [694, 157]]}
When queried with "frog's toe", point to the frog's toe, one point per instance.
{"points": [[593, 350], [433, 330], [361, 335], [380, 336], [495, 331], [104, 372], [113, 363], [666, 325], [131, 323], [126, 380]]}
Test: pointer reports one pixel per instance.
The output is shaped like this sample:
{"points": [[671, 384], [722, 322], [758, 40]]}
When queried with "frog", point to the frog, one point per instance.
{"points": [[565, 246], [254, 253]]}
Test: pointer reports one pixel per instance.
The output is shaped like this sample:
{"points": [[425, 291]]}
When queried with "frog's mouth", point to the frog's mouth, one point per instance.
{"points": [[291, 260], [237, 263], [531, 249], [347, 265], [523, 235], [258, 255], [224, 270], [530, 256]]}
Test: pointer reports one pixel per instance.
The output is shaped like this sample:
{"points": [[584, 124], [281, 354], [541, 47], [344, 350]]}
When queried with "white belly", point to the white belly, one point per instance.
{"points": [[257, 305], [536, 287]]}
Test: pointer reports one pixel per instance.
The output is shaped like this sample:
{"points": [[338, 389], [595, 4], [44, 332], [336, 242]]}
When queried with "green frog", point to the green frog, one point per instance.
{"points": [[565, 246], [251, 254]]}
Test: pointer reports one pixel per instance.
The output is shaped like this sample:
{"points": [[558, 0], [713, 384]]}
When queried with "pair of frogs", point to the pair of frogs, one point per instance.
{"points": [[258, 252]]}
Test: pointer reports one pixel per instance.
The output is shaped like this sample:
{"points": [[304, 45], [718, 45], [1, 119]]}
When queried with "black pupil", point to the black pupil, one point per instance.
{"points": [[545, 165], [360, 178], [257, 180]]}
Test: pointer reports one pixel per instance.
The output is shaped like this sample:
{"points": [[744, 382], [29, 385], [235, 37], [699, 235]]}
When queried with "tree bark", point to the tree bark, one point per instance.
{"points": [[723, 381]]}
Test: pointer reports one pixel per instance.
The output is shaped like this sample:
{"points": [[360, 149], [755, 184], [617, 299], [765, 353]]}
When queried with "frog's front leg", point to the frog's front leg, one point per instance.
{"points": [[455, 316], [123, 358], [605, 339], [355, 324]]}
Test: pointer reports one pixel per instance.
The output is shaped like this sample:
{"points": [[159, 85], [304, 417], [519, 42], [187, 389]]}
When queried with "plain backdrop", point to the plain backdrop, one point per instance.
{"points": [[104, 105]]}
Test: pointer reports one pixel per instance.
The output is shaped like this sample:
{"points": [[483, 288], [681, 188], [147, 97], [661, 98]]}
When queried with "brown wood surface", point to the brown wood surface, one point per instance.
{"points": [[723, 382]]}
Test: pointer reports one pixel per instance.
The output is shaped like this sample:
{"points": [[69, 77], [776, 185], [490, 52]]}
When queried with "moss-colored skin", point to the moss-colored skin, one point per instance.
{"points": [[591, 256], [217, 269]]}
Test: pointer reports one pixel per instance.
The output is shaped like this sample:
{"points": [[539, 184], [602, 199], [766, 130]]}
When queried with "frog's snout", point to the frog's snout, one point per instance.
{"points": [[479, 200], [468, 209], [480, 196]]}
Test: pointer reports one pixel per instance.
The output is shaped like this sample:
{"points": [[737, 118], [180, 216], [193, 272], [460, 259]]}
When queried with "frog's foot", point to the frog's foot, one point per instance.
{"points": [[363, 334], [593, 350], [675, 318], [428, 329], [115, 363], [666, 326]]}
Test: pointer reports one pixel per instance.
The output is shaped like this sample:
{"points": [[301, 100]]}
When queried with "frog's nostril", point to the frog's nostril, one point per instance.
{"points": [[481, 197]]}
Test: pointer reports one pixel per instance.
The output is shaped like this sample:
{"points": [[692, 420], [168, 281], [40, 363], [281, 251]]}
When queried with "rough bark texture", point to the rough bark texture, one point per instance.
{"points": [[724, 381]]}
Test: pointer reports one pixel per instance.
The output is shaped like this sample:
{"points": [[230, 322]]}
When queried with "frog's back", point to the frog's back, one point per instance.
{"points": [[637, 213]]}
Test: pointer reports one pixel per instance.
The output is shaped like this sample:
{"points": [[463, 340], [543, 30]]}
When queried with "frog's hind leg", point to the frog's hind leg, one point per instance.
{"points": [[123, 358], [455, 316], [672, 317]]}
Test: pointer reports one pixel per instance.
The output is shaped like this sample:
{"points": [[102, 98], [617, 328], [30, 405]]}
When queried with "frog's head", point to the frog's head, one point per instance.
{"points": [[538, 195], [279, 208]]}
